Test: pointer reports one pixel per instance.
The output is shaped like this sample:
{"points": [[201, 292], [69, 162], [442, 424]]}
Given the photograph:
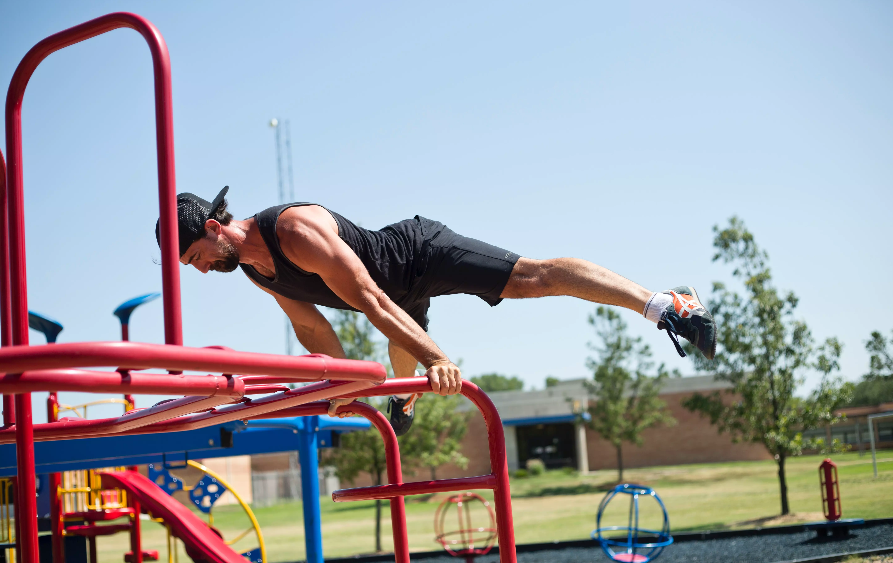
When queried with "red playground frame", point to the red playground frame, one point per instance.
{"points": [[207, 399]]}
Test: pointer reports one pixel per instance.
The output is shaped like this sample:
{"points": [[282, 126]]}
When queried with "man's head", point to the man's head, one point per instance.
{"points": [[201, 225]]}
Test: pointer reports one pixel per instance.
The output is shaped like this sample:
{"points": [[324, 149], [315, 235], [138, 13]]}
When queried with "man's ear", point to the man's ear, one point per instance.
{"points": [[212, 226]]}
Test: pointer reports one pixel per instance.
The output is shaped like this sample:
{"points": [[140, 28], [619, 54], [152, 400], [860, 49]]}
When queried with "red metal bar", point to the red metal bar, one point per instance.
{"points": [[54, 481], [392, 459], [72, 429], [416, 488], [85, 381], [502, 499], [136, 543], [14, 264], [138, 355], [5, 300]]}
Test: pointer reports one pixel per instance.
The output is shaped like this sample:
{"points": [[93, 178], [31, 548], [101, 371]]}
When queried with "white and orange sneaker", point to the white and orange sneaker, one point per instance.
{"points": [[687, 317]]}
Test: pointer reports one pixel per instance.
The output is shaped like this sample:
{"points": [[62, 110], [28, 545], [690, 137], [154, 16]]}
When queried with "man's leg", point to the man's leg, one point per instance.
{"points": [[402, 363], [402, 407], [678, 310], [576, 278]]}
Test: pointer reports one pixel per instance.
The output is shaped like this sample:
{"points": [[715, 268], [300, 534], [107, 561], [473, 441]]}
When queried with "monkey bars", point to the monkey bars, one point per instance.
{"points": [[206, 399]]}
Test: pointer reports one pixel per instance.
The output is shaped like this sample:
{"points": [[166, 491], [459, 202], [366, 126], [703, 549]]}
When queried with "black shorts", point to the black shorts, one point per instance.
{"points": [[457, 264]]}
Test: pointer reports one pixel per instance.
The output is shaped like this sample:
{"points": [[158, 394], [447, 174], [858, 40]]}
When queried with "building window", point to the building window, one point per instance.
{"points": [[555, 444]]}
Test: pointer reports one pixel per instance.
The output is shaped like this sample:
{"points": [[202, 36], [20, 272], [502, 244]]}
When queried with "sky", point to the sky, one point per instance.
{"points": [[616, 132]]}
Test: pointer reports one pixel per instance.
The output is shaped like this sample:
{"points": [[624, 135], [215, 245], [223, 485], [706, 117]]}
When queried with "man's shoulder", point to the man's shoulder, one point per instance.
{"points": [[305, 219]]}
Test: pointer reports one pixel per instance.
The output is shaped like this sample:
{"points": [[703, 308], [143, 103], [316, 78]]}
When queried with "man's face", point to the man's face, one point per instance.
{"points": [[212, 253]]}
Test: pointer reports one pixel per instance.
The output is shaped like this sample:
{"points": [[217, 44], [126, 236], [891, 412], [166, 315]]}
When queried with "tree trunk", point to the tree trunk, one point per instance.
{"points": [[619, 464], [783, 484], [433, 473], [378, 516]]}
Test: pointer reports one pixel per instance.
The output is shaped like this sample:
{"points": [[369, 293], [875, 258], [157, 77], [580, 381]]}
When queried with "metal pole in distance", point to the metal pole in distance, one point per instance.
{"points": [[871, 437], [309, 459]]}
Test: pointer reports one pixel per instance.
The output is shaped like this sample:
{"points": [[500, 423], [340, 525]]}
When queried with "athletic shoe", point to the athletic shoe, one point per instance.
{"points": [[690, 320], [402, 413]]}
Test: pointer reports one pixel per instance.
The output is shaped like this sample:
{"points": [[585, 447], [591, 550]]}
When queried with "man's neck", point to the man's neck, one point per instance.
{"points": [[245, 236]]}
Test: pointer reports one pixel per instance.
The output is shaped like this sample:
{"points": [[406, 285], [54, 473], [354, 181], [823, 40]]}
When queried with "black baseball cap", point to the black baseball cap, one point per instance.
{"points": [[192, 212]]}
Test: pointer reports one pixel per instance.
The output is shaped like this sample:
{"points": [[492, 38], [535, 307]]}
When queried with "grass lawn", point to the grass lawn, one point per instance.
{"points": [[562, 506]]}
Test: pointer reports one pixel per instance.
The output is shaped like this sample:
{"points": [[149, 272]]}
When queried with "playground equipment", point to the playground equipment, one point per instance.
{"points": [[833, 524], [207, 400], [830, 490], [204, 494], [640, 545], [467, 541]]}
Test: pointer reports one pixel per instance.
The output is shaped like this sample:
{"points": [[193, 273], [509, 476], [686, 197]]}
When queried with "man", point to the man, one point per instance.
{"points": [[306, 255]]}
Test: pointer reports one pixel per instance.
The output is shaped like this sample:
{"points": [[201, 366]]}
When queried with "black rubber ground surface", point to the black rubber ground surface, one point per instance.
{"points": [[755, 549]]}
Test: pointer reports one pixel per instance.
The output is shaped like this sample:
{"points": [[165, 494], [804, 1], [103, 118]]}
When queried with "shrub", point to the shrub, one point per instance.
{"points": [[521, 474], [536, 467], [569, 470]]}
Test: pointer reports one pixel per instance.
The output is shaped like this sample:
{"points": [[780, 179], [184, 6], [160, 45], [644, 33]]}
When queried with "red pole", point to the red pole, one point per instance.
{"points": [[830, 490], [9, 416], [54, 482], [27, 509], [395, 475], [136, 544]]}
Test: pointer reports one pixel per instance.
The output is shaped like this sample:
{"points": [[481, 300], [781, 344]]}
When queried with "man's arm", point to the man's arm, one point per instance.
{"points": [[308, 237], [313, 330]]}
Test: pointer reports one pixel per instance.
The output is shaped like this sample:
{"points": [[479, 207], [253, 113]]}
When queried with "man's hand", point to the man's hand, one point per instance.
{"points": [[445, 377], [335, 403]]}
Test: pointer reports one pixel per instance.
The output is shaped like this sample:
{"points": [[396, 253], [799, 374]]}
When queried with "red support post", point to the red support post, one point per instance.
{"points": [[54, 481], [136, 541], [830, 490]]}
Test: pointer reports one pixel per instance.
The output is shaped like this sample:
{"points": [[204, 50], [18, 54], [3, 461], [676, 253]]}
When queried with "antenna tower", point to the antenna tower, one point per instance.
{"points": [[283, 144]]}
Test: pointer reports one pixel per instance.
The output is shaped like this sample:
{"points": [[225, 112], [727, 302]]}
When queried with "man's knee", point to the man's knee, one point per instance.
{"points": [[529, 278]]}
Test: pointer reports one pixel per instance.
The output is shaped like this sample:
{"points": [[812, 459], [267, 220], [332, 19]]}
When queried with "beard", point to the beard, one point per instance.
{"points": [[229, 258]]}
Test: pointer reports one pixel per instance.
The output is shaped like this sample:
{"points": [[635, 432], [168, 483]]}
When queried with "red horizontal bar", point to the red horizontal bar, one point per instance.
{"points": [[265, 389], [131, 383], [71, 429], [415, 488], [93, 531], [137, 355]]}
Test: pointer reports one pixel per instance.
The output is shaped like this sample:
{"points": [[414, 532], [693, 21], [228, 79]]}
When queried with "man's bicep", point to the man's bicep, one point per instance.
{"points": [[316, 249]]}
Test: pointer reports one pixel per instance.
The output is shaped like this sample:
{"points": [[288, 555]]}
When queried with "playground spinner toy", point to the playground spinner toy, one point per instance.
{"points": [[467, 540], [640, 545], [222, 396]]}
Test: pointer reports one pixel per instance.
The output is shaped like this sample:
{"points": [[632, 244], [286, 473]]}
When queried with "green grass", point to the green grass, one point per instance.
{"points": [[561, 506]]}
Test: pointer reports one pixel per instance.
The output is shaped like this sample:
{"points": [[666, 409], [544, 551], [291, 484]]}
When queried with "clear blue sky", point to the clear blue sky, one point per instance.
{"points": [[616, 132]]}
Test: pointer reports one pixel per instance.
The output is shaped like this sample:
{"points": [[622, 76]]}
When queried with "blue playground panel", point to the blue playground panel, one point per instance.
{"points": [[302, 434]]}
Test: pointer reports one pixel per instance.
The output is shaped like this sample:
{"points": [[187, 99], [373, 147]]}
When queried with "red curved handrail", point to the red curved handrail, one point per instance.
{"points": [[167, 194]]}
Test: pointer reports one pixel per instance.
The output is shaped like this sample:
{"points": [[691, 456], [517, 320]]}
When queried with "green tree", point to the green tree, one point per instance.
{"points": [[490, 382], [627, 398], [552, 381], [436, 436], [876, 386], [360, 452], [763, 350]]}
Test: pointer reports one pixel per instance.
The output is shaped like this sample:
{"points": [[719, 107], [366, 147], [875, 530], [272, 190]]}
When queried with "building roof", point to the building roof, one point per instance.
{"points": [[559, 402]]}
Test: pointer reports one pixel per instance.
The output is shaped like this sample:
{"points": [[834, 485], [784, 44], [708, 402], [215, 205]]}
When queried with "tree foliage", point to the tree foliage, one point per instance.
{"points": [[490, 382], [360, 452], [436, 435], [627, 398], [763, 352], [876, 386]]}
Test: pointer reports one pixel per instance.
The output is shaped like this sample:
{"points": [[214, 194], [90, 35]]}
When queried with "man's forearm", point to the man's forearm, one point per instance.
{"points": [[402, 330], [319, 340]]}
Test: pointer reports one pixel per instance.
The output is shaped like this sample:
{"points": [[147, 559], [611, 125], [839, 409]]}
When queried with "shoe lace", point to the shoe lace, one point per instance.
{"points": [[666, 323]]}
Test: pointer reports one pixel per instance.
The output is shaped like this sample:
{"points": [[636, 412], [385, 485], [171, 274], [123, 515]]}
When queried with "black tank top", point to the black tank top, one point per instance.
{"points": [[394, 256]]}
